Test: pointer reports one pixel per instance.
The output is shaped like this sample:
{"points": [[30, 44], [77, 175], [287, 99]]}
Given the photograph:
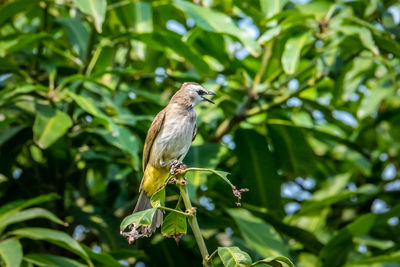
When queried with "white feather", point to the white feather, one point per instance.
{"points": [[174, 139]]}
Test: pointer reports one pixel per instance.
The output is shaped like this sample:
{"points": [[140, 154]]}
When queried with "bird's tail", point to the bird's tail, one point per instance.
{"points": [[144, 203]]}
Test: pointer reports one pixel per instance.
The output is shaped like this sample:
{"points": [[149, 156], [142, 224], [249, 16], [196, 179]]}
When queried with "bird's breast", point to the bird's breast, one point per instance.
{"points": [[176, 135]]}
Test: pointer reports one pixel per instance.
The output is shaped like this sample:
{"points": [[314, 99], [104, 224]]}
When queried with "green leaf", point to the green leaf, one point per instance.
{"points": [[143, 17], [338, 247], [51, 260], [294, 152], [121, 138], [7, 133], [144, 217], [49, 126], [21, 216], [371, 101], [90, 107], [390, 257], [78, 35], [274, 261], [259, 168], [11, 252], [174, 225], [13, 43], [53, 236], [269, 34], [162, 40], [259, 235], [17, 205], [292, 51], [364, 35], [158, 198], [272, 7], [214, 21], [10, 9], [102, 258], [234, 257], [96, 9]]}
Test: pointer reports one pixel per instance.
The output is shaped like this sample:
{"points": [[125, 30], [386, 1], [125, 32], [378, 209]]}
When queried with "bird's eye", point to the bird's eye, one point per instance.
{"points": [[201, 92]]}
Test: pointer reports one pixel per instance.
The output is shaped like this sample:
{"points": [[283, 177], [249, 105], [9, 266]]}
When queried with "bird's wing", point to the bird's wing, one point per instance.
{"points": [[194, 132], [151, 136]]}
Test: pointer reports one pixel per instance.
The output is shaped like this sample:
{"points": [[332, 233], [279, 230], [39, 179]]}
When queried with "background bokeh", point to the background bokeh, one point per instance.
{"points": [[307, 117]]}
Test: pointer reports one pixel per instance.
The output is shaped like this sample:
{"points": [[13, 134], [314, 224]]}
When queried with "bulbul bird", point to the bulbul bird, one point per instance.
{"points": [[167, 143]]}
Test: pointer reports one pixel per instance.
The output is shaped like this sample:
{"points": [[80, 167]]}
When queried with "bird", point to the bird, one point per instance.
{"points": [[167, 142]]}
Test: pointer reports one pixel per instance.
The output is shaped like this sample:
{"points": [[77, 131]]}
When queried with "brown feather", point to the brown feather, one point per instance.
{"points": [[151, 136], [194, 132]]}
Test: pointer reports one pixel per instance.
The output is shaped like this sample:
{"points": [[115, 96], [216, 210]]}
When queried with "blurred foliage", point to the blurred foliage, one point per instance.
{"points": [[307, 117]]}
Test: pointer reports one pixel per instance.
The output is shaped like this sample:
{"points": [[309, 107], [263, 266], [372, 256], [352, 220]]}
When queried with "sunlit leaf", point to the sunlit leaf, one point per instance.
{"points": [[211, 20], [292, 52], [49, 126], [272, 7], [12, 207], [96, 9], [274, 261], [144, 217], [234, 257], [11, 252], [28, 214]]}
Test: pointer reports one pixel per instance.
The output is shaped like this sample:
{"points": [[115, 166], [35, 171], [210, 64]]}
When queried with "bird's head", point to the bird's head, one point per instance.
{"points": [[192, 94]]}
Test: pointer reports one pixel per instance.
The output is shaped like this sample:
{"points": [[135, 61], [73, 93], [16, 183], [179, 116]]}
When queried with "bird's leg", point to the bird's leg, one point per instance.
{"points": [[177, 167]]}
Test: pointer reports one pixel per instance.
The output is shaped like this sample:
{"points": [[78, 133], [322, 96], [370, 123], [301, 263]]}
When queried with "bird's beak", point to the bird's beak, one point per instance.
{"points": [[208, 100]]}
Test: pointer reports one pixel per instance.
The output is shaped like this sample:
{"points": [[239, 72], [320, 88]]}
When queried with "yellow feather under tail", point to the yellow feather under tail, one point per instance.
{"points": [[154, 178]]}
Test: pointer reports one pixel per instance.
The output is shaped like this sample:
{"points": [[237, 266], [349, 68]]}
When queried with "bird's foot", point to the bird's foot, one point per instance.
{"points": [[173, 180], [177, 167]]}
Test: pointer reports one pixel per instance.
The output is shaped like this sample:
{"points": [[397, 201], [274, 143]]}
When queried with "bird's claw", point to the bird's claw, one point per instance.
{"points": [[177, 167], [173, 180]]}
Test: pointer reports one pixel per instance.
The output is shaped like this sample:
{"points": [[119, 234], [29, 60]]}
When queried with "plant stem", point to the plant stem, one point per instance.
{"points": [[195, 226]]}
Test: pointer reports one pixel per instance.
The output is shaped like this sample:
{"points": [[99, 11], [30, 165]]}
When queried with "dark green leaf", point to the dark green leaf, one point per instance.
{"points": [[51, 260], [78, 35], [102, 258], [259, 168], [258, 234], [56, 237]]}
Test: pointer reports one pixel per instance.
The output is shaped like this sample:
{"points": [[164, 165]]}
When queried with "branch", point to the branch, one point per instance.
{"points": [[193, 223]]}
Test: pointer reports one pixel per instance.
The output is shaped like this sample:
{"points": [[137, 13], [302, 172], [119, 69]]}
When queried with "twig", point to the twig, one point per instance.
{"points": [[195, 226], [176, 211]]}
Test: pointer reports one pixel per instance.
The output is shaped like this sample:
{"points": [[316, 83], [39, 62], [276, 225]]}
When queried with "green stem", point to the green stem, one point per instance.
{"points": [[195, 226], [176, 211]]}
